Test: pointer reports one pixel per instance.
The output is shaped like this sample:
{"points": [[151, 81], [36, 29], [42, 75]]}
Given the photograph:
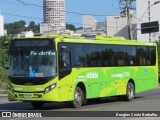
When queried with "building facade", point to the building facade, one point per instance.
{"points": [[1, 26], [89, 22], [54, 15], [118, 26], [148, 13]]}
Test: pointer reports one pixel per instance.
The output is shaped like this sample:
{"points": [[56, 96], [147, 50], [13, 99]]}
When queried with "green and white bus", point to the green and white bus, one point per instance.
{"points": [[75, 69]]}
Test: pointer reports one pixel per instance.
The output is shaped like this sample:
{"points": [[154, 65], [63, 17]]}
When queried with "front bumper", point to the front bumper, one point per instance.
{"points": [[31, 96]]}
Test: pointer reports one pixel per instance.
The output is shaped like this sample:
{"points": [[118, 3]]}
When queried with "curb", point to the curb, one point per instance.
{"points": [[3, 95]]}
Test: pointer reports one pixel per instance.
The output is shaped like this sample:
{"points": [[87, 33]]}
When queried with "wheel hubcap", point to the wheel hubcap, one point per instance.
{"points": [[78, 98], [131, 92]]}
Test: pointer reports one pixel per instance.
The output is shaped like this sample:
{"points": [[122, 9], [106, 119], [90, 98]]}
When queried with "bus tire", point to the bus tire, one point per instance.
{"points": [[130, 92], [37, 105], [78, 98]]}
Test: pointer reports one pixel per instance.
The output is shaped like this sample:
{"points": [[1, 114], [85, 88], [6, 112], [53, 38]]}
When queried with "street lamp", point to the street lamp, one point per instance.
{"points": [[116, 24], [148, 8], [156, 2]]}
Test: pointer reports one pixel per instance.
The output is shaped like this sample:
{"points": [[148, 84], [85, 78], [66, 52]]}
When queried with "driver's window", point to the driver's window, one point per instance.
{"points": [[64, 64], [64, 60]]}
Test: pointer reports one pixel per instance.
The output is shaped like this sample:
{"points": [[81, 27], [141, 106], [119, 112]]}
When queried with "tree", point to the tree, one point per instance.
{"points": [[20, 26], [70, 27], [4, 43], [79, 28], [16, 27], [32, 26]]}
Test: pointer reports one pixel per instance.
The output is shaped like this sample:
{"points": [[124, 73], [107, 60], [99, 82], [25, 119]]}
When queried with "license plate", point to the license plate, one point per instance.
{"points": [[27, 95]]}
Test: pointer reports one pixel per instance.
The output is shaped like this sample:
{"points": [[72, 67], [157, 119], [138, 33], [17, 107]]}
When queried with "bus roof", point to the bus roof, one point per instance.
{"points": [[96, 39], [99, 39]]}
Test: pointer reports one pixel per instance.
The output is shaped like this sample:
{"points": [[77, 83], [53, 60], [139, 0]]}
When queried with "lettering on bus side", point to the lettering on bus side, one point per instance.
{"points": [[91, 75], [121, 75]]}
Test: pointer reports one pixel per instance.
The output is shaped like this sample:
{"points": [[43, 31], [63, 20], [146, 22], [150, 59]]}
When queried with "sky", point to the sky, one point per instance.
{"points": [[10, 8]]}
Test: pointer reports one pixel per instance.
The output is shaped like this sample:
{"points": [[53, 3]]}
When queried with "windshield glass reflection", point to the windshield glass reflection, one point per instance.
{"points": [[32, 63]]}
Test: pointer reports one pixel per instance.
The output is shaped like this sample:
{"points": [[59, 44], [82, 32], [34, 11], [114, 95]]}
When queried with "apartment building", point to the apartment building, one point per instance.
{"points": [[54, 15]]}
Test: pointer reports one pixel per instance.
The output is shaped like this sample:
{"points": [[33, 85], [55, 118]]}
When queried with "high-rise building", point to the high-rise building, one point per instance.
{"points": [[1, 26], [54, 15]]}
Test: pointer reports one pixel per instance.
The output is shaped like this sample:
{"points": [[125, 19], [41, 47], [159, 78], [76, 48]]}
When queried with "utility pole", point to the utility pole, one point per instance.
{"points": [[149, 17], [126, 12], [128, 2]]}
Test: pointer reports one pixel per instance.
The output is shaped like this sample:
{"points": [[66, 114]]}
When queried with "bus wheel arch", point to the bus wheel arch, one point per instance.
{"points": [[79, 96], [82, 86]]}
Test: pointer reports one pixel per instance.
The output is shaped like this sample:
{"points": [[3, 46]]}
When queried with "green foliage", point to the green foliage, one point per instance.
{"points": [[20, 26], [3, 74], [79, 28], [3, 87], [4, 42], [70, 27], [16, 27], [33, 27]]}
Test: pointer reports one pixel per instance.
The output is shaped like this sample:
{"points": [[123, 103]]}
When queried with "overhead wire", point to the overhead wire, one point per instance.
{"points": [[39, 6], [20, 16], [17, 4], [30, 4], [70, 12]]}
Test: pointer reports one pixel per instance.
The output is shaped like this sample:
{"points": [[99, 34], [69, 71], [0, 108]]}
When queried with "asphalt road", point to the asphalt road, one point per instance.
{"points": [[146, 101]]}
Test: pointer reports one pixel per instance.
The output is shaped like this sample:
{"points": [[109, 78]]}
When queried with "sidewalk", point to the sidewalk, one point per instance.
{"points": [[3, 95]]}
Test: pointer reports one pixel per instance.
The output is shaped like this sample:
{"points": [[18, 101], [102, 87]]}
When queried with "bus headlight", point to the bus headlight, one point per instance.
{"points": [[50, 88], [10, 88]]}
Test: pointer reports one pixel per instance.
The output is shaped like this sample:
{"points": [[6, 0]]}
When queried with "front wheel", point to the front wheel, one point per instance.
{"points": [[130, 92], [78, 98]]}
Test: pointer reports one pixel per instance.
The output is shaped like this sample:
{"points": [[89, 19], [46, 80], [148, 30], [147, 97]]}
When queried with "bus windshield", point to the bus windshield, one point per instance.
{"points": [[32, 63]]}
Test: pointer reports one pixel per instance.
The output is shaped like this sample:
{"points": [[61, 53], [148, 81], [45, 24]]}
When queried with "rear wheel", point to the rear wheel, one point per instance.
{"points": [[78, 98], [37, 105], [130, 94]]}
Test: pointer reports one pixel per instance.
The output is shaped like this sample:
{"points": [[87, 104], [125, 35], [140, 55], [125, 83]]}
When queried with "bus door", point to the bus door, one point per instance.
{"points": [[65, 80]]}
